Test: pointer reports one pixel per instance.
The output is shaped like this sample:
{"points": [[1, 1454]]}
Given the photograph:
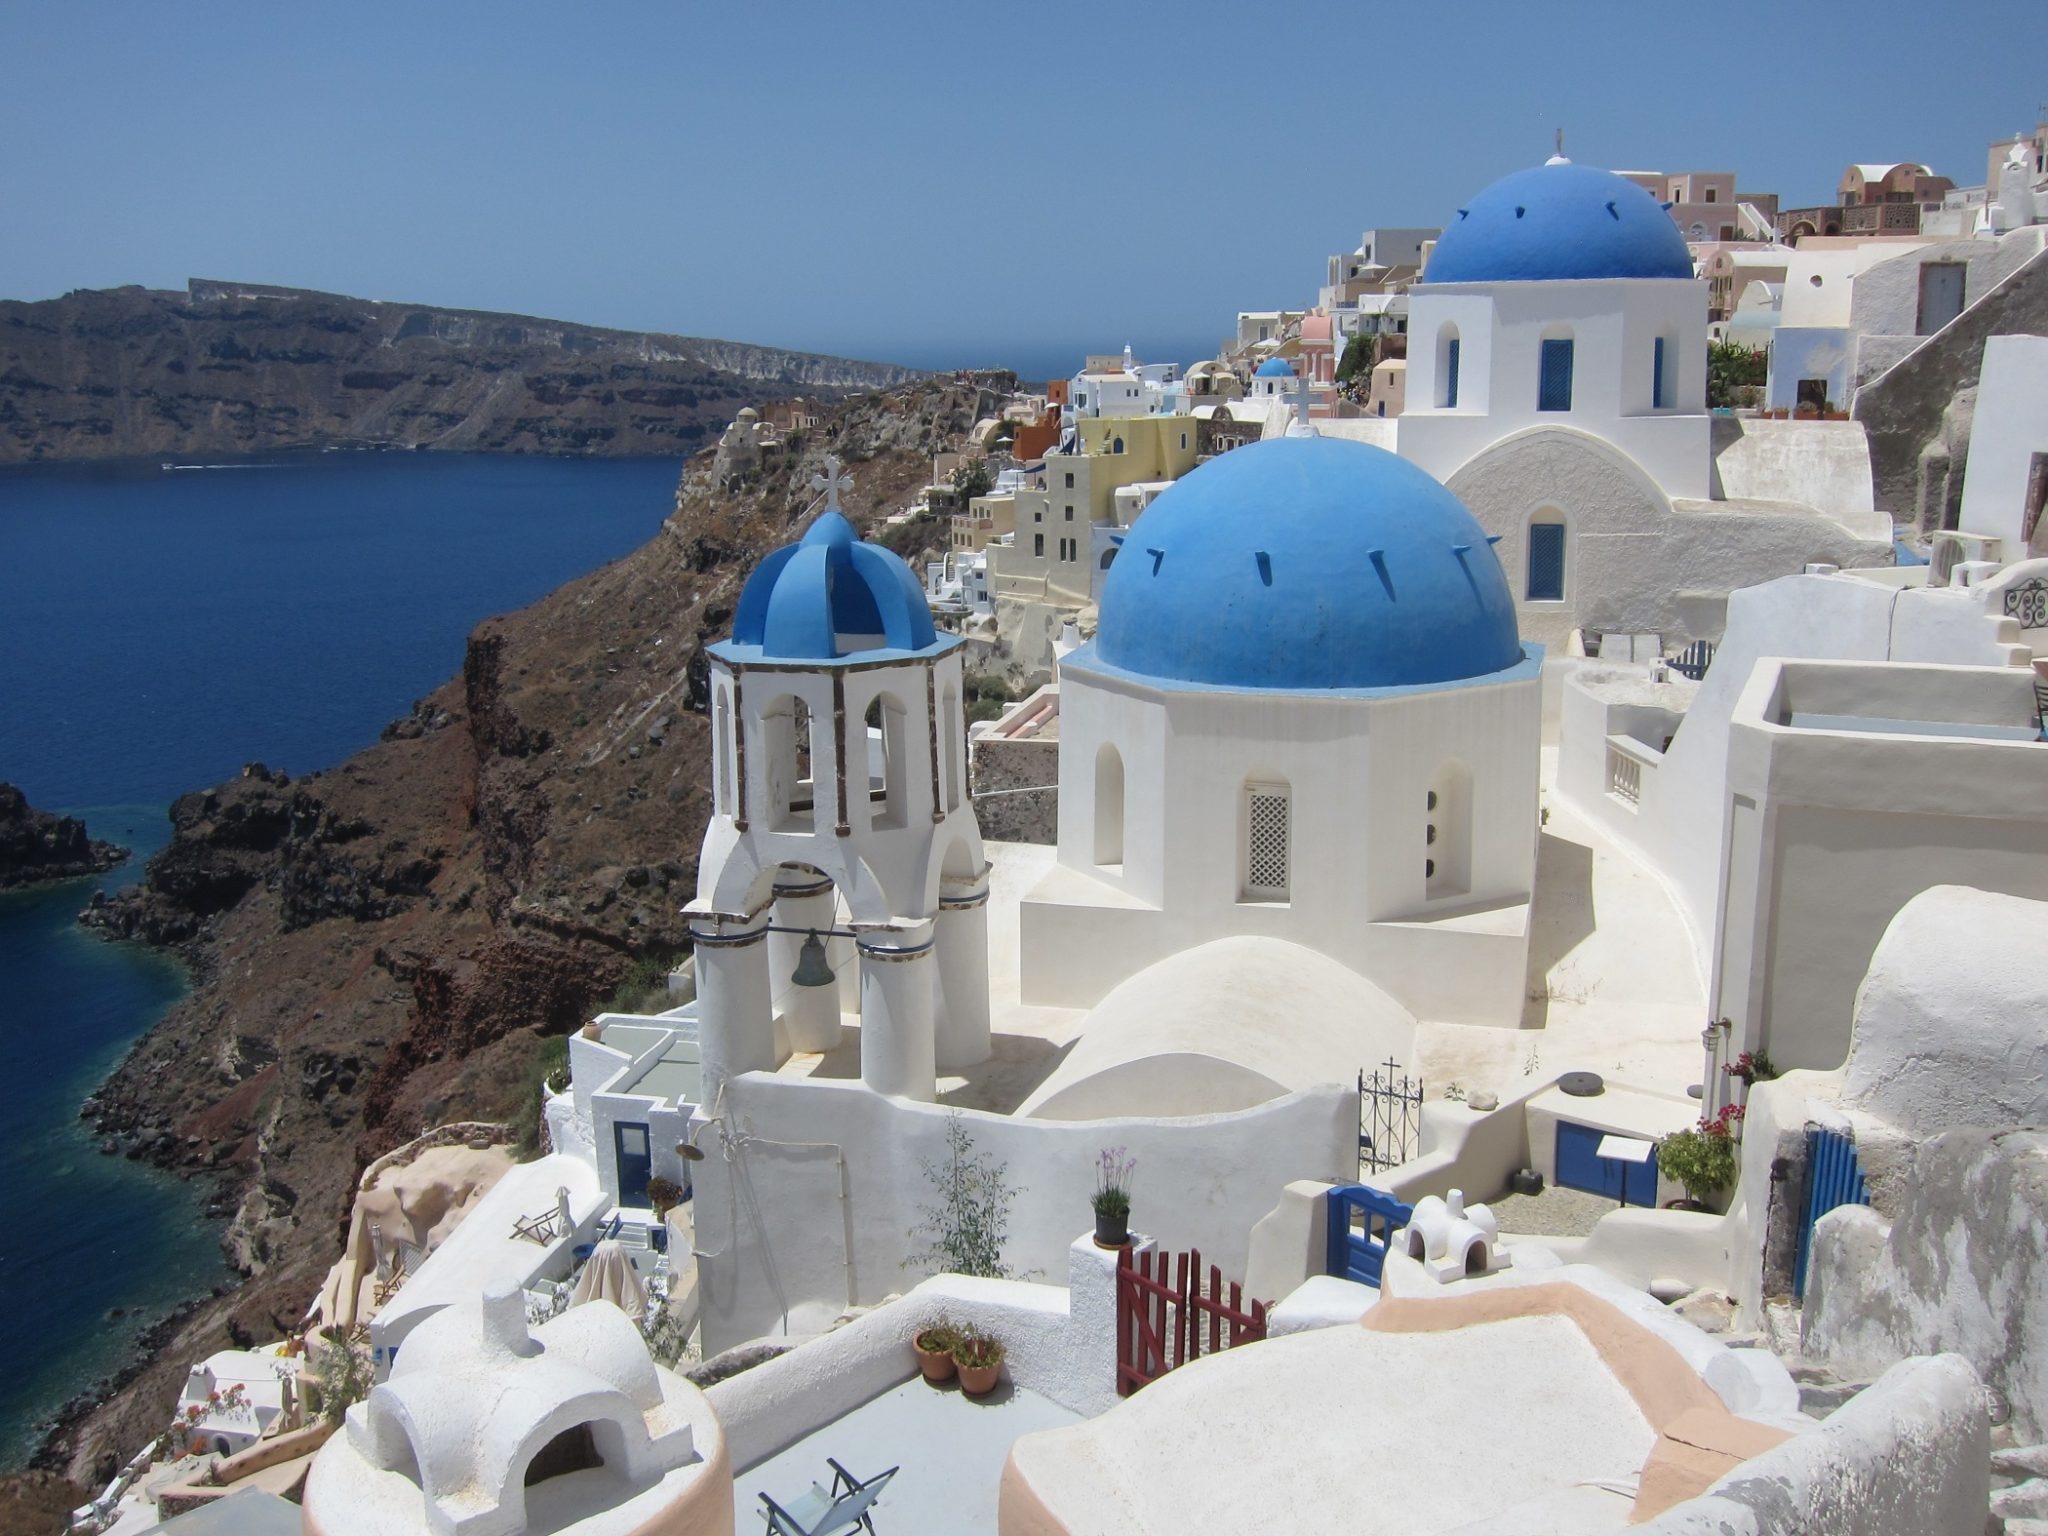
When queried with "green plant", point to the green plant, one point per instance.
{"points": [[965, 1227], [942, 1337], [1731, 366], [978, 1352], [663, 1195], [547, 1066], [1357, 358], [975, 477], [1113, 1169], [644, 987], [1702, 1159], [343, 1369]]}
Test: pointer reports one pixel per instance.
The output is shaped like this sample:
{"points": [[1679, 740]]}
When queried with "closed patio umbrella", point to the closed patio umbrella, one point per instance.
{"points": [[610, 1276]]}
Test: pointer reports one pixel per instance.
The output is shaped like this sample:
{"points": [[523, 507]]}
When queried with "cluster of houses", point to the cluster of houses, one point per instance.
{"points": [[1544, 884]]}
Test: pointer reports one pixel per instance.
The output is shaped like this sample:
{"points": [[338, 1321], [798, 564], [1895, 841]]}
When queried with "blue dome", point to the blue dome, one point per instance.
{"points": [[1274, 368], [1307, 563], [1559, 221], [828, 596]]}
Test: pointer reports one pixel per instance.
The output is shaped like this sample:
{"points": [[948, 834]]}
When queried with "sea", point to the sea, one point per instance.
{"points": [[159, 629]]}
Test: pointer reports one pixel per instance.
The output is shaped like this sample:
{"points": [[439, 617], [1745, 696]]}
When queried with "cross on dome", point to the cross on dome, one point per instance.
{"points": [[831, 482]]}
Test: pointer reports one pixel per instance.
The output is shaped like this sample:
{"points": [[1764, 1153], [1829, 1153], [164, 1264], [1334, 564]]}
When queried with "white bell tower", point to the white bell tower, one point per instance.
{"points": [[841, 830]]}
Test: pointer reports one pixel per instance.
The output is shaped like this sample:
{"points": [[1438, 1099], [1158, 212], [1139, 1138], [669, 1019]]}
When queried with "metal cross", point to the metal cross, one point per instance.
{"points": [[831, 482]]}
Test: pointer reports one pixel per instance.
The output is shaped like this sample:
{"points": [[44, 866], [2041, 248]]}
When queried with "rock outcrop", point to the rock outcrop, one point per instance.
{"points": [[36, 846], [238, 368], [381, 947]]}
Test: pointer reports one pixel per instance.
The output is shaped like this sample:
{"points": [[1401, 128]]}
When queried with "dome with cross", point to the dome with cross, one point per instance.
{"points": [[830, 595]]}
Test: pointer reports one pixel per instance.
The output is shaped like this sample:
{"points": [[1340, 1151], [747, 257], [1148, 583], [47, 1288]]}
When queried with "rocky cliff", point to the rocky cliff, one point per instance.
{"points": [[37, 846], [381, 947], [237, 368]]}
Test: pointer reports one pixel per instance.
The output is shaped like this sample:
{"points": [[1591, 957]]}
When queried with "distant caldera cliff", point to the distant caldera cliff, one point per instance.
{"points": [[240, 368], [36, 845]]}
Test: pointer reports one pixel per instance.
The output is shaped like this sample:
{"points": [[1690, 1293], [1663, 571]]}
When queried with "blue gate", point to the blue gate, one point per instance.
{"points": [[1833, 1177], [1360, 1254], [1580, 1166]]}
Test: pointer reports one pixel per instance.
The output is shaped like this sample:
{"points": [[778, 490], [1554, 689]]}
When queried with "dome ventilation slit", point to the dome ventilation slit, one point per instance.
{"points": [[1378, 557], [1265, 567], [1613, 212]]}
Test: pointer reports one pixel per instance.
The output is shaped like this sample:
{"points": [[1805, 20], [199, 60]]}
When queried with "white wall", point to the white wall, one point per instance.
{"points": [[776, 1237], [1613, 325], [1678, 825], [2010, 427], [1359, 770], [1820, 464]]}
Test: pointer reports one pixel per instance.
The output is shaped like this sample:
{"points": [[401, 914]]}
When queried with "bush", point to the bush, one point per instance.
{"points": [[546, 1067], [644, 987], [1702, 1159], [663, 1195], [970, 1220], [1730, 366]]}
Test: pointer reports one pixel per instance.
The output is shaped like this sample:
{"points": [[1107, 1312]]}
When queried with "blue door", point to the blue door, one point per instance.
{"points": [[1359, 1253], [1554, 393], [1834, 1176], [635, 1161], [1580, 1167]]}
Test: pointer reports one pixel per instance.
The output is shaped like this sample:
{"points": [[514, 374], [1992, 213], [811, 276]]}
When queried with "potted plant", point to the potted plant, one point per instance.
{"points": [[663, 1195], [934, 1346], [1701, 1159], [980, 1362], [1112, 1199]]}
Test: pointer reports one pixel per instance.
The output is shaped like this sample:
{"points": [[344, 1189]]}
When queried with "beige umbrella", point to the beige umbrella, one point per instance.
{"points": [[609, 1276]]}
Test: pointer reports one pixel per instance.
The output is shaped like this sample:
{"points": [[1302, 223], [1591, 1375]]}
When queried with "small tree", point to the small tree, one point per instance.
{"points": [[343, 1369], [1703, 1159], [965, 1227], [976, 477], [1731, 366], [1357, 358]]}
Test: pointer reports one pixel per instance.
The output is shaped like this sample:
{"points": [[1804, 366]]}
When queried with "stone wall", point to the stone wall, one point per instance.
{"points": [[1902, 409], [1015, 788], [1962, 1268]]}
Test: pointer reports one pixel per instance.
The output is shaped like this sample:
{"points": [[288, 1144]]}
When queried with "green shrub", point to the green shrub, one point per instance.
{"points": [[1702, 1159], [547, 1066], [967, 1225]]}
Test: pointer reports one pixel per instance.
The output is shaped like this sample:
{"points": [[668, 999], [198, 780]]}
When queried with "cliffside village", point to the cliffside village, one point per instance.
{"points": [[1485, 846]]}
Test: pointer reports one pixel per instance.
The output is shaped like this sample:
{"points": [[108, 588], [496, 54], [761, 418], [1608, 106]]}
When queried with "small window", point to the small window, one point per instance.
{"points": [[1070, 479], [1554, 391], [1117, 446], [1266, 842], [1183, 439], [1070, 512], [1546, 563], [1038, 545], [1710, 194], [1659, 399], [1449, 390]]}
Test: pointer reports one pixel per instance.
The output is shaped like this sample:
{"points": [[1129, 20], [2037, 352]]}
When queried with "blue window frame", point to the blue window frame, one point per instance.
{"points": [[1546, 562], [1659, 399], [1554, 393], [1451, 374]]}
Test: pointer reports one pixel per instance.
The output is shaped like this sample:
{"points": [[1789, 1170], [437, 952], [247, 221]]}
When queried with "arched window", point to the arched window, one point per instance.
{"points": [[1554, 385], [786, 740], [1546, 557], [1268, 835], [1447, 833], [888, 756], [1117, 446], [721, 747], [953, 744], [1109, 805], [1447, 368]]}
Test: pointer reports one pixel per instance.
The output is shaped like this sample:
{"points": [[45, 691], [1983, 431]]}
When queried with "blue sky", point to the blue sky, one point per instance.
{"points": [[935, 183]]}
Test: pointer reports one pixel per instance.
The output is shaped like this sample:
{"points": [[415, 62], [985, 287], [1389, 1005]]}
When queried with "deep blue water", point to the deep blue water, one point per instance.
{"points": [[158, 631]]}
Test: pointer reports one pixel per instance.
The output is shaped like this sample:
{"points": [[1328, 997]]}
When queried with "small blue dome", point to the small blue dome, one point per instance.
{"points": [[1274, 368], [1307, 563], [829, 596], [1559, 221]]}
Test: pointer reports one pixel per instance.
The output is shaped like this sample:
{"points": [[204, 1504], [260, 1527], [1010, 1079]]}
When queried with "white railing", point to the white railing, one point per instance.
{"points": [[1626, 760]]}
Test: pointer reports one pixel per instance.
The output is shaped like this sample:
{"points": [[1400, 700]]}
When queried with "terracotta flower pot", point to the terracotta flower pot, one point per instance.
{"points": [[979, 1380], [935, 1364]]}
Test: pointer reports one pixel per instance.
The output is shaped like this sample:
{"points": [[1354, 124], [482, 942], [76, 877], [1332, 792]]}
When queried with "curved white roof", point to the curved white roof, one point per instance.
{"points": [[1221, 1027]]}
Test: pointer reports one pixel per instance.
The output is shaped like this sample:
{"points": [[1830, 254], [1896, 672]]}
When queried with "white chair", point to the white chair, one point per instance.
{"points": [[821, 1513]]}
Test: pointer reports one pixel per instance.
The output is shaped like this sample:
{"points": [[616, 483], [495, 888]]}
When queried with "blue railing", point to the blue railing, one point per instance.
{"points": [[1360, 1253], [1833, 1177]]}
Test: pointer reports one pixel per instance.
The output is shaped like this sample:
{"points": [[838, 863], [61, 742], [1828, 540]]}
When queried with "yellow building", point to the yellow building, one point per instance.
{"points": [[986, 519], [1051, 555]]}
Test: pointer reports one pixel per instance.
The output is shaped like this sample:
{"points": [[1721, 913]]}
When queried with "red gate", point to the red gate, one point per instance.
{"points": [[1160, 1320]]}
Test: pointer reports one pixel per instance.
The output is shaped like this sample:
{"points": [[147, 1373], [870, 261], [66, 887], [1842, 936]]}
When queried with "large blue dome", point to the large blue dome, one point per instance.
{"points": [[829, 596], [1307, 563], [1559, 221]]}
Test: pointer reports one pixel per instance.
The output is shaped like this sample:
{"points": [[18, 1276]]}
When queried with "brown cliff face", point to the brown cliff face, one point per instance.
{"points": [[36, 846], [237, 368], [379, 948]]}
